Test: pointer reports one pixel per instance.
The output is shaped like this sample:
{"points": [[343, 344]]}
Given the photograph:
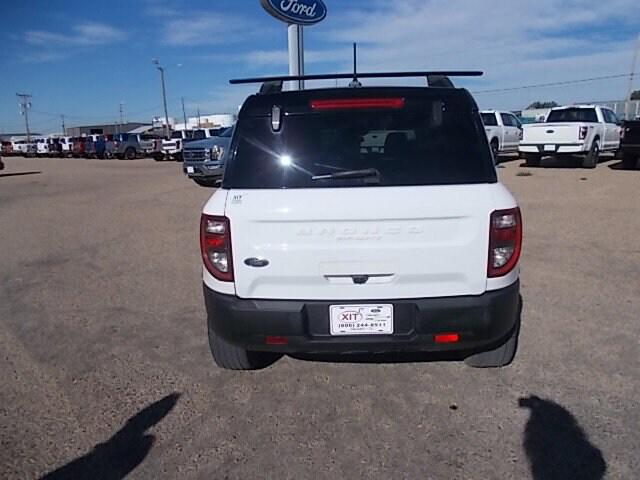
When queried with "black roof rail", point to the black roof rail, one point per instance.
{"points": [[437, 79]]}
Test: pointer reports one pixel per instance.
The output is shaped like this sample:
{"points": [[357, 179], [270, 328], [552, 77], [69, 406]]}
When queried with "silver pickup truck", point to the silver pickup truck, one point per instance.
{"points": [[204, 160]]}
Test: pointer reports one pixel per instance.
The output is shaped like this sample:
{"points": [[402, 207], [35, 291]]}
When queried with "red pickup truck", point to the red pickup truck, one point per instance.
{"points": [[78, 146]]}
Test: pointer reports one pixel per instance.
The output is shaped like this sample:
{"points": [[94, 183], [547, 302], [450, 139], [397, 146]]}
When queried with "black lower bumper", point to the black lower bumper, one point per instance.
{"points": [[482, 322]]}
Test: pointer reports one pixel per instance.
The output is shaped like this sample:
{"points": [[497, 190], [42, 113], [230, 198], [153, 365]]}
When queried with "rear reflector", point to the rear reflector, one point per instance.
{"points": [[275, 340], [447, 338], [356, 103]]}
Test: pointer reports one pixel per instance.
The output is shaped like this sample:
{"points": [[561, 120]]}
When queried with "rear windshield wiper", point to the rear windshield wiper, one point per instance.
{"points": [[364, 173]]}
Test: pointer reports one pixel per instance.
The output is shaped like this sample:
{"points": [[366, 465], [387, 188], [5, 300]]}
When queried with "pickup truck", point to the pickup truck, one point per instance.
{"points": [[172, 148], [585, 130], [130, 146], [630, 143], [204, 160], [504, 131]]}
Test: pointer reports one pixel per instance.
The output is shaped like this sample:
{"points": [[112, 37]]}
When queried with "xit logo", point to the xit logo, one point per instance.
{"points": [[350, 316]]}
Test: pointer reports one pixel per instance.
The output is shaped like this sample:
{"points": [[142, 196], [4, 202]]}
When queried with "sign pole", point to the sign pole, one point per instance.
{"points": [[296, 54]]}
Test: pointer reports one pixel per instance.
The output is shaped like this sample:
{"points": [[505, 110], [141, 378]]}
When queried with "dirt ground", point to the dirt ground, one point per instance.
{"points": [[106, 369]]}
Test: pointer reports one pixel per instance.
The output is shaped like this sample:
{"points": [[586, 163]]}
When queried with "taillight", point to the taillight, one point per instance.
{"points": [[505, 241], [623, 131], [583, 132], [520, 134], [356, 103], [215, 244]]}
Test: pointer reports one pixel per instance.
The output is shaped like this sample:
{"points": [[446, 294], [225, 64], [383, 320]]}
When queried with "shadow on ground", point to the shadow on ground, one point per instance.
{"points": [[565, 161], [556, 445], [123, 452], [19, 174]]}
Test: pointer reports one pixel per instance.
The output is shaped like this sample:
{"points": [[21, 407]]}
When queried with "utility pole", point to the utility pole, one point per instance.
{"points": [[184, 114], [198, 117], [164, 97], [121, 113], [64, 131], [634, 64], [25, 105]]}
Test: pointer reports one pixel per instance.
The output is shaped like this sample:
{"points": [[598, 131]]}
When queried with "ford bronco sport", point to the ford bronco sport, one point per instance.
{"points": [[317, 242]]}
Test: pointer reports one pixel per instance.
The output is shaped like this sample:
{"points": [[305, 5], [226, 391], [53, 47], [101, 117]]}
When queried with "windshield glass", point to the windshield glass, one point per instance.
{"points": [[427, 142], [573, 115], [176, 135]]}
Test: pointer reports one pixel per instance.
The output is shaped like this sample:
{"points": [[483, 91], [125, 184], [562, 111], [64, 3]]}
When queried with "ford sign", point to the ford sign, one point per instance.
{"points": [[300, 12]]}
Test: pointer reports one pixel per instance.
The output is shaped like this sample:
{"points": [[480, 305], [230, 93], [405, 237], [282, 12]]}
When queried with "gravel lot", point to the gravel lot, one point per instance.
{"points": [[106, 370]]}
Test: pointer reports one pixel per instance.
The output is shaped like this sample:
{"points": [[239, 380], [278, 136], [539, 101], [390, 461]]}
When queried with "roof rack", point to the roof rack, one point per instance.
{"points": [[437, 79]]}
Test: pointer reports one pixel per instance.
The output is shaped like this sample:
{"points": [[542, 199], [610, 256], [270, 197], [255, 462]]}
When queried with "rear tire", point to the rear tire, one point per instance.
{"points": [[532, 159], [130, 154], [629, 162], [501, 356], [593, 157], [232, 357]]}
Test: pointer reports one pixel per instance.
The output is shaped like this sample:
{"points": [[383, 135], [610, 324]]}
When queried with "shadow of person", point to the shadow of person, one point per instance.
{"points": [[123, 452], [556, 446]]}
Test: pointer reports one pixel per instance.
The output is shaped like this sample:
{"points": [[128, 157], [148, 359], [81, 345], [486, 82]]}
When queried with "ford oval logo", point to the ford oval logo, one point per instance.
{"points": [[300, 12]]}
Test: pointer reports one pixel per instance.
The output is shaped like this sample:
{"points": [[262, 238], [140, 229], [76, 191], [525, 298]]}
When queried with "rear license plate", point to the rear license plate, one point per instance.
{"points": [[549, 148], [361, 319], [190, 170]]}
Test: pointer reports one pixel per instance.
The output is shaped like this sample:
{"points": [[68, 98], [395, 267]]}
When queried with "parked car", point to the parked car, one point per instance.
{"points": [[172, 147], [204, 160], [585, 130], [504, 131], [78, 146], [42, 146], [630, 143], [311, 245], [130, 145], [55, 147], [90, 146]]}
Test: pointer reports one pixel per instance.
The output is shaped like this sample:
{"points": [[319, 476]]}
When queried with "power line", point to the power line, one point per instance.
{"points": [[553, 84]]}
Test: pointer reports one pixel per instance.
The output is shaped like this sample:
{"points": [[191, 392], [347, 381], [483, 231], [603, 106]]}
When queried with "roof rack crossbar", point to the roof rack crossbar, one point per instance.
{"points": [[337, 76]]}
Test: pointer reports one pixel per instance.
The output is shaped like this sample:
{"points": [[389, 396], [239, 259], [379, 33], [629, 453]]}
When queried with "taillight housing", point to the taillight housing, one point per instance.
{"points": [[215, 245], [583, 132], [505, 242]]}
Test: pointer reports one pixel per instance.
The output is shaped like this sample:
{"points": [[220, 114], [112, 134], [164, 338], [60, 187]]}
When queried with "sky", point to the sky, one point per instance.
{"points": [[84, 58]]}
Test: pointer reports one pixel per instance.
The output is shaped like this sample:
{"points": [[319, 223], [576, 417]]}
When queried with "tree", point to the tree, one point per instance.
{"points": [[536, 105], [635, 95]]}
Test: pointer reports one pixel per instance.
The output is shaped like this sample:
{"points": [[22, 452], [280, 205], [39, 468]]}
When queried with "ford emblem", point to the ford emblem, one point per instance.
{"points": [[300, 12]]}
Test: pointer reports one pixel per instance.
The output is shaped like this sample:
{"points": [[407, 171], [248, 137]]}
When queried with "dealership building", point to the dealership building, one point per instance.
{"points": [[105, 129]]}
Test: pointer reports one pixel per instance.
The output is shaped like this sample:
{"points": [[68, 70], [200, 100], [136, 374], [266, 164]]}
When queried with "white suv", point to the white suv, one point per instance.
{"points": [[316, 243]]}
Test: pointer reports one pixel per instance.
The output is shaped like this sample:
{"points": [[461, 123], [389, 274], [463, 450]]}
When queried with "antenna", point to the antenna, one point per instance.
{"points": [[355, 83]]}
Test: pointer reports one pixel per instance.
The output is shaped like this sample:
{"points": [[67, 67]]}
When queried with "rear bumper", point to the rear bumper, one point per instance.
{"points": [[631, 148], [553, 148], [482, 322]]}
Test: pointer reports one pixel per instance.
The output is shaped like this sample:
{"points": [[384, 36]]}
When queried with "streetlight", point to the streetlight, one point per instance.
{"points": [[164, 96]]}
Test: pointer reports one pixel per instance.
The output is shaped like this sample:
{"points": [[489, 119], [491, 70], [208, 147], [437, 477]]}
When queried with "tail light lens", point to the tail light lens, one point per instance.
{"points": [[505, 241], [583, 132], [215, 244], [356, 103], [623, 131]]}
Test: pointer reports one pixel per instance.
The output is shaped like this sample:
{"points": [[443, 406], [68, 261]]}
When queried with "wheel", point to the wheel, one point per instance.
{"points": [[206, 182], [501, 356], [495, 149], [592, 158], [532, 159], [158, 157], [629, 162], [130, 153], [232, 357], [178, 157]]}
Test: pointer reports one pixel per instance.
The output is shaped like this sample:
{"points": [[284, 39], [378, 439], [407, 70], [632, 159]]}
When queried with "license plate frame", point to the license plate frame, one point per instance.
{"points": [[549, 148], [361, 319], [190, 170]]}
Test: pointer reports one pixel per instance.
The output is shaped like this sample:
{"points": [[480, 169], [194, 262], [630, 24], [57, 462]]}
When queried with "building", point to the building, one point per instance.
{"points": [[105, 129], [7, 137], [202, 121]]}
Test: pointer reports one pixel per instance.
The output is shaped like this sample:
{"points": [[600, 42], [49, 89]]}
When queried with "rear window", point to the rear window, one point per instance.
{"points": [[199, 135], [573, 115], [489, 119], [429, 141]]}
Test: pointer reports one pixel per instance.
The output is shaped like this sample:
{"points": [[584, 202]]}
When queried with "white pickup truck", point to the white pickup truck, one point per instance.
{"points": [[585, 130], [504, 131]]}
